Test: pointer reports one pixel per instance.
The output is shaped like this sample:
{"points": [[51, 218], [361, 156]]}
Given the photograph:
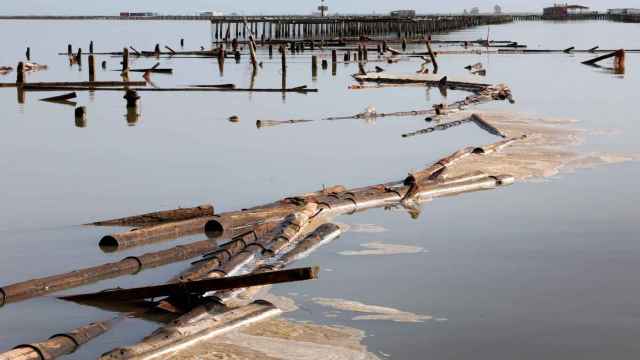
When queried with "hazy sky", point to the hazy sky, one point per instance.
{"points": [[278, 6]]}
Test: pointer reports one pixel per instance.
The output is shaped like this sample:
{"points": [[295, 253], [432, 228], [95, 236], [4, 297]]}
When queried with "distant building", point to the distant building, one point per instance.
{"points": [[627, 11], [497, 10], [403, 13], [559, 11], [474, 11]]}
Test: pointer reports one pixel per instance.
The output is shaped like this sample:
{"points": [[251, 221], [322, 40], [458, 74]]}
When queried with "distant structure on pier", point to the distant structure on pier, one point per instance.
{"points": [[474, 11], [323, 9], [497, 10], [403, 13], [564, 11]]}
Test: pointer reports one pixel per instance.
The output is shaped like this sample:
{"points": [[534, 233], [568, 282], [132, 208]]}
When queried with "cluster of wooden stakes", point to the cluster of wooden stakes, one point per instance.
{"points": [[207, 299]]}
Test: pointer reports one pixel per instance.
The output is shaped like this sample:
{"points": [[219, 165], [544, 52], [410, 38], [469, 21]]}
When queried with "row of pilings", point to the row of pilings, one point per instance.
{"points": [[301, 27]]}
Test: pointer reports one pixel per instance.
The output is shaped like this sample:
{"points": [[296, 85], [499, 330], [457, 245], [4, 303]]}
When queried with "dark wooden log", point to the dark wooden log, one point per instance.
{"points": [[199, 287], [569, 50], [159, 217], [60, 344], [62, 84], [173, 52], [135, 51]]}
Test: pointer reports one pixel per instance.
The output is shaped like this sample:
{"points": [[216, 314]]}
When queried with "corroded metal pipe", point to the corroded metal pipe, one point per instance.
{"points": [[194, 327], [127, 266], [160, 217], [60, 344]]}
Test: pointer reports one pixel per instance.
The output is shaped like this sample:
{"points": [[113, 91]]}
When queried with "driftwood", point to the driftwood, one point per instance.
{"points": [[60, 344], [159, 217], [198, 288], [432, 57], [34, 66]]}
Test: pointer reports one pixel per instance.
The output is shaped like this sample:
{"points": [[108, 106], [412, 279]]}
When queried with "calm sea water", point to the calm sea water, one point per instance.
{"points": [[536, 270]]}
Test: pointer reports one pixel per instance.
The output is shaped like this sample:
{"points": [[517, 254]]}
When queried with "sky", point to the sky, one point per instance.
{"points": [[109, 7]]}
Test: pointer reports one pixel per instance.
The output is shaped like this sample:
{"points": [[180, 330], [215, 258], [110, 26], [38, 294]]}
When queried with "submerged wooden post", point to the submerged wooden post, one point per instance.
{"points": [[125, 60], [284, 58], [132, 98], [79, 57], [314, 66], [20, 74], [92, 68], [81, 116]]}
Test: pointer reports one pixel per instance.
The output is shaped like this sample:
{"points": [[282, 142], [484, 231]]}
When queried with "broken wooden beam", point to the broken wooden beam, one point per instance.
{"points": [[60, 344], [60, 98], [432, 56], [617, 53], [198, 288], [159, 217]]}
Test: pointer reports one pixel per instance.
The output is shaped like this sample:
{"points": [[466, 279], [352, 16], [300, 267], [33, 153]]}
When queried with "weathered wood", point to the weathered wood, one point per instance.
{"points": [[593, 61], [199, 287], [60, 98], [432, 56], [19, 74], [60, 344], [159, 217]]}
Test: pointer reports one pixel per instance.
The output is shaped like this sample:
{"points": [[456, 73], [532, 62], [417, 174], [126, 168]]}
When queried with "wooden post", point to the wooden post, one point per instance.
{"points": [[81, 117], [92, 68], [125, 61], [433, 57], [69, 50], [270, 50], [91, 47], [181, 42], [284, 59], [79, 57], [104, 65], [404, 44], [334, 56], [132, 98], [314, 66], [28, 54], [156, 51], [20, 74]]}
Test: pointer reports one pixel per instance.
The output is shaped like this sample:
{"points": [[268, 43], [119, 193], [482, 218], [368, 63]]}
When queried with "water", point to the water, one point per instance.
{"points": [[537, 270]]}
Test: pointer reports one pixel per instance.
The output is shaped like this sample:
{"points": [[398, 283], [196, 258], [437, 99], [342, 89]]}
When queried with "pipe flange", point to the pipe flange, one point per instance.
{"points": [[137, 259]]}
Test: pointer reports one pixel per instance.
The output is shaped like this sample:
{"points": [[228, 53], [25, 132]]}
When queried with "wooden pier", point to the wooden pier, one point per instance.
{"points": [[333, 27]]}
